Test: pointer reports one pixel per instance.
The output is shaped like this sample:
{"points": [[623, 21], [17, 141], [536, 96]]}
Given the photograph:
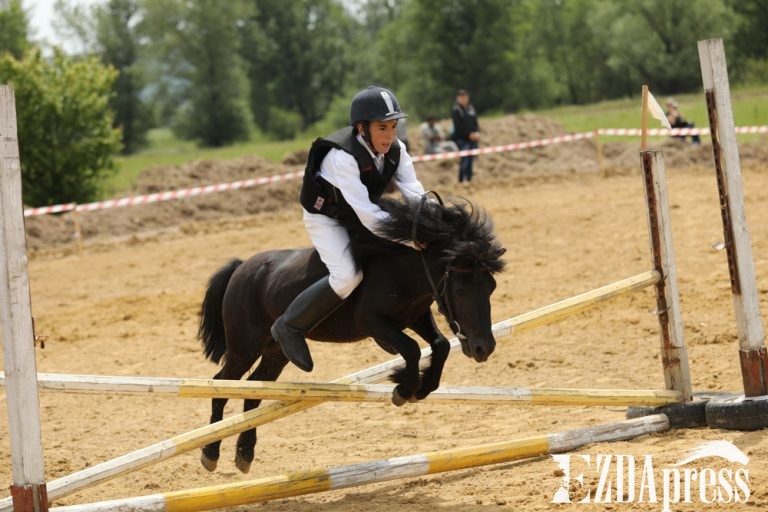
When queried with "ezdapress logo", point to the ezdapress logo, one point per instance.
{"points": [[627, 479]]}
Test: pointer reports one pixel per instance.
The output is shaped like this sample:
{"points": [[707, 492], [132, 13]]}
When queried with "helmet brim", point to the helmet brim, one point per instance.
{"points": [[391, 117]]}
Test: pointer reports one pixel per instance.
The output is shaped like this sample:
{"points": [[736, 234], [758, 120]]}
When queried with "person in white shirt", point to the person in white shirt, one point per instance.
{"points": [[433, 139], [347, 172]]}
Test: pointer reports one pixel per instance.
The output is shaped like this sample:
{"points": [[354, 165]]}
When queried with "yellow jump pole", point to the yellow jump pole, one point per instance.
{"points": [[341, 477], [338, 392]]}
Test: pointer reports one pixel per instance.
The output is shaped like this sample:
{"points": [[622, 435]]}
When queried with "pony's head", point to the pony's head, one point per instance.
{"points": [[459, 238]]}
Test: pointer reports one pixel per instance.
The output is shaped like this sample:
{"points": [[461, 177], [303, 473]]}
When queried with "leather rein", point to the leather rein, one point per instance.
{"points": [[439, 289]]}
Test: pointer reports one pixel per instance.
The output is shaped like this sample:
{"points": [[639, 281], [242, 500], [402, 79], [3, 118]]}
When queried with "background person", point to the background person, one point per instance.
{"points": [[433, 138], [466, 131], [676, 120]]}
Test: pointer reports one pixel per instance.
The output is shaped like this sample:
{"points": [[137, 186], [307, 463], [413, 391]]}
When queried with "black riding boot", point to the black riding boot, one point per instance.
{"points": [[307, 310]]}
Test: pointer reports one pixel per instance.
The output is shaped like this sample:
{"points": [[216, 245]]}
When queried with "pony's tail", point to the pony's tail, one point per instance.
{"points": [[211, 331]]}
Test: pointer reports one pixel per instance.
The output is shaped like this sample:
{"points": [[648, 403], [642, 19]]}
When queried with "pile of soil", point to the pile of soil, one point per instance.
{"points": [[548, 163]]}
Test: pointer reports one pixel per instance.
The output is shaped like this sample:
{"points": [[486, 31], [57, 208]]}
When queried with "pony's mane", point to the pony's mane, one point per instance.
{"points": [[462, 232]]}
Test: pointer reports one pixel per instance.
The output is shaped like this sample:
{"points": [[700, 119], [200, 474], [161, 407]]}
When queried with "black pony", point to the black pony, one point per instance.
{"points": [[243, 299]]}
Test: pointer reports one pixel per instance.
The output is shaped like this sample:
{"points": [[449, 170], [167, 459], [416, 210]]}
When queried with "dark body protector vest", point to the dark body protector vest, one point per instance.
{"points": [[319, 196]]}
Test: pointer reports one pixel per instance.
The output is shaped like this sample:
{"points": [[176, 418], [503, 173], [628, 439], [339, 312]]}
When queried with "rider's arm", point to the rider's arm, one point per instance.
{"points": [[340, 169], [405, 176]]}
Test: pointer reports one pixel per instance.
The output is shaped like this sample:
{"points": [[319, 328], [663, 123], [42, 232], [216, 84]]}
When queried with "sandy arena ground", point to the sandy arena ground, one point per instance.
{"points": [[128, 306]]}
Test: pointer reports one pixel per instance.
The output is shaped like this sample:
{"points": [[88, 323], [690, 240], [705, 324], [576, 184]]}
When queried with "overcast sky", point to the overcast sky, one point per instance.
{"points": [[41, 18]]}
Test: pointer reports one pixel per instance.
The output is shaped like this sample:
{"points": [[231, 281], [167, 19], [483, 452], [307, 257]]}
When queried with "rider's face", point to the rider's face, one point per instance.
{"points": [[383, 134]]}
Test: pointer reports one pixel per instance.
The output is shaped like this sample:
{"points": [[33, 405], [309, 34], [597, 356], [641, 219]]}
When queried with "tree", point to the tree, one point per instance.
{"points": [[655, 41], [216, 110], [751, 39], [14, 28], [66, 136], [298, 58], [436, 46], [110, 30], [118, 46]]}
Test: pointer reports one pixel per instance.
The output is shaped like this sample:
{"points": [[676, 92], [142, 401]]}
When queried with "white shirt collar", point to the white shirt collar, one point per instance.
{"points": [[378, 158]]}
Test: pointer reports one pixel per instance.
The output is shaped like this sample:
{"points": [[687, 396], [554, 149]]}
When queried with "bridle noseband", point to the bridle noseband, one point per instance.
{"points": [[439, 289]]}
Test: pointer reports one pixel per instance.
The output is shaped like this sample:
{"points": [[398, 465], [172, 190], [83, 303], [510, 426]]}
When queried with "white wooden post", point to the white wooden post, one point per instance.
{"points": [[752, 352], [674, 355], [28, 489]]}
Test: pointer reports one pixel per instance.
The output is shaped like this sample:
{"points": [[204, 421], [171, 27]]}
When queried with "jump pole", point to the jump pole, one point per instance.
{"points": [[341, 477], [241, 422], [674, 355], [28, 490], [239, 389], [752, 352]]}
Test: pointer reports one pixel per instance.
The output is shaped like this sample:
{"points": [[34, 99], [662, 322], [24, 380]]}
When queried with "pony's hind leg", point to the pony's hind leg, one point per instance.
{"points": [[269, 369], [234, 368]]}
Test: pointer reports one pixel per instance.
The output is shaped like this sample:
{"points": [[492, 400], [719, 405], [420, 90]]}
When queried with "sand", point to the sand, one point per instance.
{"points": [[128, 305]]}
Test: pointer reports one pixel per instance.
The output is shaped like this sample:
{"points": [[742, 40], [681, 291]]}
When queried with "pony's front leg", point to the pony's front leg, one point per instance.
{"points": [[441, 347], [406, 378]]}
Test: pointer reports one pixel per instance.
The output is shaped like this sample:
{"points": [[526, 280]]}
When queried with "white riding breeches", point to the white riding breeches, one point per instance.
{"points": [[332, 243]]}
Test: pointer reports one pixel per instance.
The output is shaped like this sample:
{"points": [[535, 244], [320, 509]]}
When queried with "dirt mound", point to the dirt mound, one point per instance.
{"points": [[547, 163]]}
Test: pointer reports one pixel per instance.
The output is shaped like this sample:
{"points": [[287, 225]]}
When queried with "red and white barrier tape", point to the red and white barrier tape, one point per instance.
{"points": [[163, 196], [505, 147], [236, 185], [675, 131]]}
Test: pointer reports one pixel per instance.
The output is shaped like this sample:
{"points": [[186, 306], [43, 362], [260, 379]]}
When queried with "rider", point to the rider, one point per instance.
{"points": [[346, 171]]}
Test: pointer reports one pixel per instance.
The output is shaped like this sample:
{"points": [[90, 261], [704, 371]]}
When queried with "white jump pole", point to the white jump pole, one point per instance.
{"points": [[752, 352], [28, 491], [341, 477], [241, 422], [336, 392]]}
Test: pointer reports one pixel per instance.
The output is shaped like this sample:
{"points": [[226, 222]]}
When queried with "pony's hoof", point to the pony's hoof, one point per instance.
{"points": [[398, 399], [208, 464], [243, 465]]}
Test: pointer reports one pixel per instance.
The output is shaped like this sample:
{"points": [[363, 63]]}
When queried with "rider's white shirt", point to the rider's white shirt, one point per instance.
{"points": [[340, 170]]}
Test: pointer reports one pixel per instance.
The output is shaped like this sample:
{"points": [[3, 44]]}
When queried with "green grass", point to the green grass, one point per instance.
{"points": [[750, 107]]}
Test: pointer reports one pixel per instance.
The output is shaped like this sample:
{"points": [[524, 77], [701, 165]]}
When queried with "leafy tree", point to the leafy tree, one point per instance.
{"points": [[14, 28], [298, 56], [66, 136], [110, 30], [655, 41], [752, 36], [436, 46], [119, 47], [215, 112], [751, 39]]}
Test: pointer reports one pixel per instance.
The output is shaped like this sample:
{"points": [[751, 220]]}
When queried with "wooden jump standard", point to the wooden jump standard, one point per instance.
{"points": [[240, 389], [341, 477], [237, 423]]}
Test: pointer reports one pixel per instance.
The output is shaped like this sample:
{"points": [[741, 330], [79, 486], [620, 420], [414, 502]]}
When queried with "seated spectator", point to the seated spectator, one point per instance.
{"points": [[433, 138], [676, 120]]}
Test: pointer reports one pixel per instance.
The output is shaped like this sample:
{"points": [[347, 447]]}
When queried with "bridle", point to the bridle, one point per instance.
{"points": [[439, 289]]}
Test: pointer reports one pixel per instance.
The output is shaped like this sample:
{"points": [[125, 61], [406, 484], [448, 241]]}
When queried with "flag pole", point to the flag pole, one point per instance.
{"points": [[644, 123]]}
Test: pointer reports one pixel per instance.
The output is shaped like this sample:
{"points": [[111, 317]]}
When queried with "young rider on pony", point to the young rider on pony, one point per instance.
{"points": [[346, 173]]}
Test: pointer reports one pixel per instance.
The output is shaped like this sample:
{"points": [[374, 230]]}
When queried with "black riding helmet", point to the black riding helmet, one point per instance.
{"points": [[374, 104]]}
